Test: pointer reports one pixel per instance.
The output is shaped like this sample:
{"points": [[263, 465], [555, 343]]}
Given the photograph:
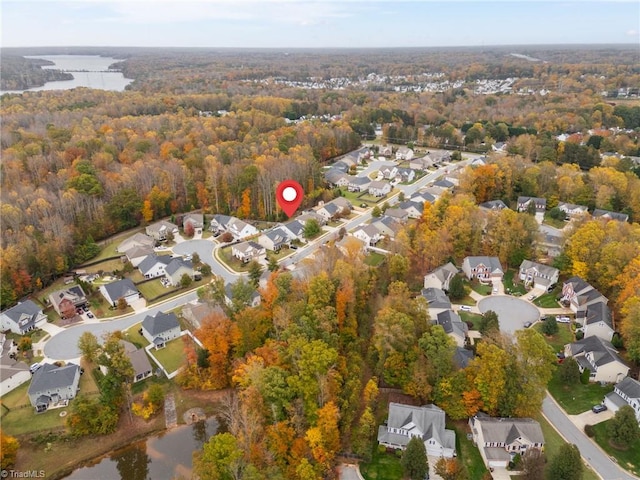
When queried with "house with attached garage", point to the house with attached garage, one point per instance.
{"points": [[539, 205], [195, 312], [625, 392], [176, 269], [599, 357], [294, 230], [493, 205], [358, 184], [606, 214], [53, 386], [440, 277], [598, 321], [579, 294], [160, 230], [247, 251], [13, 373], [407, 175], [160, 329], [23, 318], [274, 240], [154, 265], [404, 153], [337, 178], [66, 301], [136, 255], [139, 361], [196, 220], [389, 172], [423, 197], [500, 439], [369, 234], [305, 217], [482, 268], [413, 209], [426, 423], [397, 214], [137, 240], [538, 275], [125, 288], [453, 326], [437, 300], [421, 163], [571, 210], [379, 188], [388, 227], [236, 227]]}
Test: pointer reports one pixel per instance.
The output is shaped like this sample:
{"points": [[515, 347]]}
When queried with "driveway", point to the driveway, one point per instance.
{"points": [[512, 312], [591, 453], [590, 418], [349, 472]]}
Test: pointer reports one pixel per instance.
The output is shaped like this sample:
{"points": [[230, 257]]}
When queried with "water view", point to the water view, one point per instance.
{"points": [[165, 456], [89, 71]]}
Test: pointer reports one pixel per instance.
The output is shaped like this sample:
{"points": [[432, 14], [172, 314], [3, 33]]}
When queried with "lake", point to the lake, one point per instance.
{"points": [[95, 75], [164, 456]]}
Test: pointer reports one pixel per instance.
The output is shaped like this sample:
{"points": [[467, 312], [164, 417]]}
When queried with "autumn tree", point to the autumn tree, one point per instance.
{"points": [[532, 464], [414, 459], [489, 323], [311, 228], [220, 459], [89, 346], [255, 272], [8, 450], [324, 437], [451, 469], [569, 371]]}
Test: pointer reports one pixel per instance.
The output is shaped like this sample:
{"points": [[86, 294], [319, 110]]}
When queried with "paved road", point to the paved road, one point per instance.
{"points": [[591, 453], [512, 312], [63, 346], [348, 472], [204, 248]]}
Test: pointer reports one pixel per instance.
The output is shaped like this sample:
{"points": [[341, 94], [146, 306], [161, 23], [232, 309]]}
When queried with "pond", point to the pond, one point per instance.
{"points": [[165, 456]]}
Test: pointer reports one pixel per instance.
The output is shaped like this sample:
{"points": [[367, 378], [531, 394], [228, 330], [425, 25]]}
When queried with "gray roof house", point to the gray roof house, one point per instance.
{"points": [[493, 205], [176, 269], [572, 210], [159, 230], [53, 386], [137, 254], [23, 318], [413, 208], [154, 265], [294, 230], [621, 217], [440, 277], [426, 422], [599, 357], [358, 184], [453, 326], [195, 219], [580, 294], [274, 240], [437, 300], [139, 361], [161, 328], [137, 240], [462, 357], [337, 177], [625, 392], [12, 373], [247, 251], [196, 312], [124, 288], [540, 204], [369, 234], [598, 321], [398, 214], [482, 268], [538, 275], [379, 188], [500, 439]]}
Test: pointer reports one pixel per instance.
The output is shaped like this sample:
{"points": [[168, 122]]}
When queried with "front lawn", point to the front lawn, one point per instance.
{"points": [[171, 357], [560, 339], [553, 222], [471, 317], [468, 453], [578, 398], [134, 336], [548, 300], [481, 289], [628, 458], [510, 286], [383, 466], [153, 289]]}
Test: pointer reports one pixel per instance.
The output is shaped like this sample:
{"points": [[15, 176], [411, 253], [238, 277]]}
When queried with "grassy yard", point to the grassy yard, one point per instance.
{"points": [[510, 286], [88, 383], [480, 288], [154, 288], [172, 356], [19, 417], [553, 222], [560, 339], [548, 300], [132, 335], [374, 259], [468, 454], [224, 255], [471, 317], [578, 398], [101, 308], [552, 443], [383, 466], [108, 251], [106, 266], [628, 458]]}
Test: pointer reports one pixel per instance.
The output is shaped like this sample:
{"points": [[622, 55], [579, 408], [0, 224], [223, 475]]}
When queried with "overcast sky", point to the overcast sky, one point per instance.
{"points": [[322, 23]]}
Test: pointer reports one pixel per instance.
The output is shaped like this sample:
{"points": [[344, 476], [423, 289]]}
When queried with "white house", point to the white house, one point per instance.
{"points": [[500, 439], [154, 265], [620, 217], [238, 228], [247, 251], [337, 178], [379, 188], [389, 171], [137, 240], [422, 163], [125, 288], [294, 230], [427, 423], [440, 277], [538, 275], [53, 386], [406, 175], [599, 357], [413, 209], [571, 210], [274, 240], [404, 153], [369, 234], [484, 268], [161, 328], [358, 184], [159, 230], [625, 392], [23, 318]]}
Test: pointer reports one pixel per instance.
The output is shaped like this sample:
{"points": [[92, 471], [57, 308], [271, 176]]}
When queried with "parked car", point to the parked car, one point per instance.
{"points": [[90, 315], [598, 408], [34, 368], [465, 308], [527, 324], [364, 205], [531, 297], [563, 319], [495, 290]]}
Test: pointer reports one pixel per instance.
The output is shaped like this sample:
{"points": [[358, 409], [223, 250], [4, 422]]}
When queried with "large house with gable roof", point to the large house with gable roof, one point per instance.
{"points": [[482, 268], [161, 328], [23, 318], [625, 392], [538, 275]]}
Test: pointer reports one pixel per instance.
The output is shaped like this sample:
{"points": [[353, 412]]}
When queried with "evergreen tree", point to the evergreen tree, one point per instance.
{"points": [[456, 288], [489, 322], [623, 427], [414, 459], [569, 371], [566, 464]]}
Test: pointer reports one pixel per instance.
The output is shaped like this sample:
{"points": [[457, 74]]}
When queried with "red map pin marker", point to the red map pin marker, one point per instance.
{"points": [[289, 195]]}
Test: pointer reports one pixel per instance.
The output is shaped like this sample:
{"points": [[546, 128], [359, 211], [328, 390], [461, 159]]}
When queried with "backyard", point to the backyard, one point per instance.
{"points": [[468, 454], [578, 398], [628, 457], [18, 416], [560, 339], [383, 466], [374, 259], [153, 289], [171, 357], [510, 286]]}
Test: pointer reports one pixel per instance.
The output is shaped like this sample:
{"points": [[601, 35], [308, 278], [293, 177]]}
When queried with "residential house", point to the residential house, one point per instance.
{"points": [[404, 153], [500, 439], [538, 275], [407, 175], [387, 227], [540, 204], [573, 211], [66, 301], [579, 294], [12, 372], [22, 318], [599, 357], [328, 211], [493, 205], [358, 184], [437, 300], [195, 312], [196, 220], [421, 163], [462, 357], [160, 329], [500, 147], [435, 192], [625, 392], [252, 301], [349, 244], [423, 197], [178, 267], [620, 217], [274, 240], [453, 326], [389, 172], [427, 423], [369, 234], [379, 188], [160, 230], [305, 217], [219, 223], [240, 229], [482, 268], [337, 178], [154, 265], [124, 288], [397, 214], [414, 209], [137, 240], [135, 255], [345, 164], [385, 150], [551, 239], [440, 277], [343, 204], [598, 321], [294, 230], [139, 361], [53, 386], [247, 251]]}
